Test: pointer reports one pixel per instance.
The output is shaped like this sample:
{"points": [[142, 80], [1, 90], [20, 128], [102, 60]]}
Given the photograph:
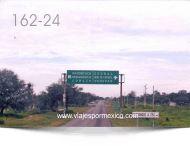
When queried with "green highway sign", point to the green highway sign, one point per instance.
{"points": [[116, 106], [92, 77]]}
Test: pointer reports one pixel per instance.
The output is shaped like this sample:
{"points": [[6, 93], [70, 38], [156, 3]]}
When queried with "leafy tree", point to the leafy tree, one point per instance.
{"points": [[12, 91], [107, 98], [55, 94], [182, 92], [42, 101], [131, 97]]}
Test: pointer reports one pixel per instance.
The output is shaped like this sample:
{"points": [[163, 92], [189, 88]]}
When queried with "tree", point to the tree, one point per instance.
{"points": [[43, 101], [172, 97], [157, 97], [73, 94], [55, 94], [182, 92], [107, 98], [131, 97], [12, 91]]}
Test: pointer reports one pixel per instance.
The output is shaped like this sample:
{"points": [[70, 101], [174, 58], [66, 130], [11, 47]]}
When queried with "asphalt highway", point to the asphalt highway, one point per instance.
{"points": [[88, 122]]}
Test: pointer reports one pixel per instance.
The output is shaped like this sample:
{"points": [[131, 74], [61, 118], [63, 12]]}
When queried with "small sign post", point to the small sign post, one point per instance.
{"points": [[146, 115], [64, 91]]}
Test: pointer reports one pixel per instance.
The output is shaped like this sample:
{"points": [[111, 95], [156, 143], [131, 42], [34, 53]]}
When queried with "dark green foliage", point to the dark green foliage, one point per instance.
{"points": [[53, 97], [69, 111], [42, 101], [124, 106], [55, 94], [1, 122], [13, 115], [12, 91], [182, 98]]}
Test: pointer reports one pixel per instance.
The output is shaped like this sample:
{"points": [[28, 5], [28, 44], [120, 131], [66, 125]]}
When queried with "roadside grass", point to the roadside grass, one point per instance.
{"points": [[47, 119], [168, 116]]}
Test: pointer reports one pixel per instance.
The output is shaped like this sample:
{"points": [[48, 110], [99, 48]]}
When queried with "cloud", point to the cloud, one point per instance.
{"points": [[150, 48]]}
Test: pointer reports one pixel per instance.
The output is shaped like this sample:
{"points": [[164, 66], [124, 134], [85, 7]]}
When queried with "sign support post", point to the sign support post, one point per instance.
{"points": [[146, 115], [64, 91], [121, 94]]}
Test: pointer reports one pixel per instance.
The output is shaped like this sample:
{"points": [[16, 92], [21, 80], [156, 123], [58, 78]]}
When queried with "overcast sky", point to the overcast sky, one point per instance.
{"points": [[149, 42]]}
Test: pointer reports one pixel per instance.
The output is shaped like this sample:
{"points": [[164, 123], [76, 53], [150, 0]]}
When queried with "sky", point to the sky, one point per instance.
{"points": [[149, 42]]}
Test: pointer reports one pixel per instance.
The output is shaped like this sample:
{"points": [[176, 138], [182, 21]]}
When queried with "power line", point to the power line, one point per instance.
{"points": [[175, 81]]}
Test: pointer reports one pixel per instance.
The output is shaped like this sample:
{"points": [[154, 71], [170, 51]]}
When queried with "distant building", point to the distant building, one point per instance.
{"points": [[172, 103]]}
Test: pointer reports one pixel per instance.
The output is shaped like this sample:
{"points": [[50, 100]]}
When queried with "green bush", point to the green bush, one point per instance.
{"points": [[187, 107], [37, 111], [161, 120], [1, 122], [16, 116], [124, 106], [69, 111], [164, 124], [86, 105], [23, 115]]}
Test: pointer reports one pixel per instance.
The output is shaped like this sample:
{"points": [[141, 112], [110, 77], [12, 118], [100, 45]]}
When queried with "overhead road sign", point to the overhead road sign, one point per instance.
{"points": [[92, 77]]}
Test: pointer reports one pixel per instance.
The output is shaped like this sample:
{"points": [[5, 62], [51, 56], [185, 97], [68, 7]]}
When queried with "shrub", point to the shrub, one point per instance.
{"points": [[164, 124], [37, 111], [124, 106], [187, 107], [1, 122], [161, 120], [182, 111], [167, 119], [69, 111], [86, 105], [23, 115]]}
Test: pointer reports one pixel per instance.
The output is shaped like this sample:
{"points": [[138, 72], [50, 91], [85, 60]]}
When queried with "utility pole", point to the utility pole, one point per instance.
{"points": [[127, 101], [153, 104], [145, 97], [124, 98], [30, 94], [33, 94], [153, 97], [135, 102]]}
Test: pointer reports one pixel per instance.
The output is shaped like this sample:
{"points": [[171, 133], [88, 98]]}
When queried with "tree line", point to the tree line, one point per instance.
{"points": [[18, 95], [181, 98]]}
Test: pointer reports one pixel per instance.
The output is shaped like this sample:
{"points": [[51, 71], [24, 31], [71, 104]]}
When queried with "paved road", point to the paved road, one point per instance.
{"points": [[88, 122]]}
